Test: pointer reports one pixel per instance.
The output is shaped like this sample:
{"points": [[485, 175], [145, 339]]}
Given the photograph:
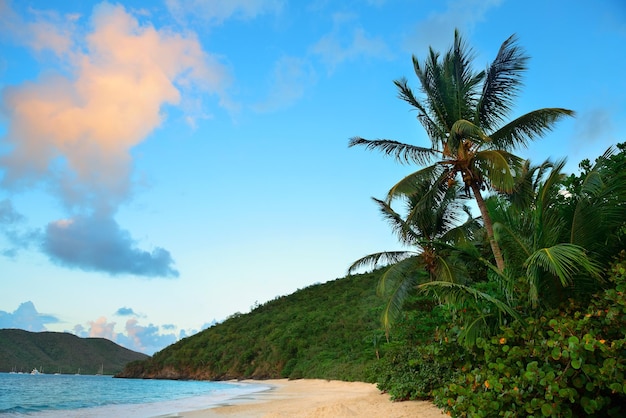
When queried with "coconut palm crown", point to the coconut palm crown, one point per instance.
{"points": [[464, 113]]}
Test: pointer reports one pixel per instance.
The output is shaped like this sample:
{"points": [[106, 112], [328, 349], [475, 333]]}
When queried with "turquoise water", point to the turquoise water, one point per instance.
{"points": [[46, 395]]}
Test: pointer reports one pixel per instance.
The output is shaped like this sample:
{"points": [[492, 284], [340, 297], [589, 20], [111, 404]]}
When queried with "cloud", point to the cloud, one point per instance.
{"points": [[125, 312], [217, 11], [343, 44], [593, 125], [73, 129], [293, 76], [109, 248], [290, 79], [437, 31], [11, 225], [8, 215], [100, 328], [26, 317], [48, 30], [145, 339]]}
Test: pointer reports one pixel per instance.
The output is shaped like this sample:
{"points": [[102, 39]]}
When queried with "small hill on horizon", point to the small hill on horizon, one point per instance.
{"points": [[60, 352]]}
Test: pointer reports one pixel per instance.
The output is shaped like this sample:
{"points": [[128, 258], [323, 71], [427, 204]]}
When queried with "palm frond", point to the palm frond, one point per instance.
{"points": [[465, 129], [463, 232], [548, 222], [380, 259], [403, 153], [433, 129], [562, 261], [511, 238], [449, 269], [474, 328], [395, 284], [502, 83], [599, 209], [499, 168], [455, 293], [527, 128], [528, 180], [461, 80], [434, 115], [415, 181], [404, 230]]}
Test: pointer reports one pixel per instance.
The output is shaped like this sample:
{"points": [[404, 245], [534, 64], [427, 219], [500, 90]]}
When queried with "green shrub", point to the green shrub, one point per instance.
{"points": [[567, 363], [416, 362], [413, 372]]}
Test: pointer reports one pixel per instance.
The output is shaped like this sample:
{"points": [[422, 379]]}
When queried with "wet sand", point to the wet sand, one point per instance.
{"points": [[319, 399]]}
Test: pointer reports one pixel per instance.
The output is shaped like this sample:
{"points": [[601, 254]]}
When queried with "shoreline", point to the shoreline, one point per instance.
{"points": [[316, 398]]}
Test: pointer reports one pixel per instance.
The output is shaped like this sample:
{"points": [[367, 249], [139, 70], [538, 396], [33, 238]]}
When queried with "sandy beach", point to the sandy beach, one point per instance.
{"points": [[319, 399]]}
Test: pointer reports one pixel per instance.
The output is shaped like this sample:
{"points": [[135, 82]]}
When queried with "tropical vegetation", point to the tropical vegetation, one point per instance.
{"points": [[463, 112], [328, 331], [517, 339], [518, 310]]}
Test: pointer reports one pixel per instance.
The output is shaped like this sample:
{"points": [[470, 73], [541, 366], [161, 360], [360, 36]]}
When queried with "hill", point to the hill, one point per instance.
{"points": [[61, 352], [323, 331]]}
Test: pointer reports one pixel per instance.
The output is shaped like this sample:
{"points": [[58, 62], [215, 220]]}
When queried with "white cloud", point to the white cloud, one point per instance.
{"points": [[346, 43], [438, 30], [290, 79], [26, 317], [47, 30], [217, 11]]}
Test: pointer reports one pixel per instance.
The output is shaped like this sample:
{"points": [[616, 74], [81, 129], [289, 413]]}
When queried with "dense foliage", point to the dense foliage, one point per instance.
{"points": [[329, 330], [57, 352], [564, 352], [569, 362], [525, 327]]}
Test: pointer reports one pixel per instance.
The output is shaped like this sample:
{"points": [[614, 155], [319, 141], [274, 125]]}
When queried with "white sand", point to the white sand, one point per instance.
{"points": [[319, 399]]}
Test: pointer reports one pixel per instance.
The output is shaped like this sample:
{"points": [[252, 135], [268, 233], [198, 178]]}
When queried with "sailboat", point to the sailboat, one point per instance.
{"points": [[78, 372], [101, 371]]}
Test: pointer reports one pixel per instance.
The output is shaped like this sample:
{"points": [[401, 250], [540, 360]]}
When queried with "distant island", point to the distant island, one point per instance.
{"points": [[59, 352]]}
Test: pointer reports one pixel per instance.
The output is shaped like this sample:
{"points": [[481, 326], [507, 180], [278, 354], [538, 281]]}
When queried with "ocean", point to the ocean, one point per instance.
{"points": [[87, 396]]}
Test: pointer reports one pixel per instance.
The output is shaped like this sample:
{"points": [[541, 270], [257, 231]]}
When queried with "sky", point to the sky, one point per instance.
{"points": [[167, 164]]}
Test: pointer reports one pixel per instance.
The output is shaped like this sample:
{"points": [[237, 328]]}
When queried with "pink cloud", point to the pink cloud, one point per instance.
{"points": [[87, 124], [74, 127], [146, 339], [100, 328]]}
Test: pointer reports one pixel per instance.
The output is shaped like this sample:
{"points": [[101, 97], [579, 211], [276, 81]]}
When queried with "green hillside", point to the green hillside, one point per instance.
{"points": [[56, 352], [323, 331]]}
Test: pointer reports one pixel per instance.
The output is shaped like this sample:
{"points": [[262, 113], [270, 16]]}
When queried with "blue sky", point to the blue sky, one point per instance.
{"points": [[165, 164]]}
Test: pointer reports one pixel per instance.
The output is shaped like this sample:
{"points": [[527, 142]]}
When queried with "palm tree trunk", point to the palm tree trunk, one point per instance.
{"points": [[495, 248]]}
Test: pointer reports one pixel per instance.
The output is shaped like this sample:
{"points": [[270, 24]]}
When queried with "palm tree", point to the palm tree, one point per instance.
{"points": [[463, 113], [557, 234], [433, 223], [557, 240]]}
